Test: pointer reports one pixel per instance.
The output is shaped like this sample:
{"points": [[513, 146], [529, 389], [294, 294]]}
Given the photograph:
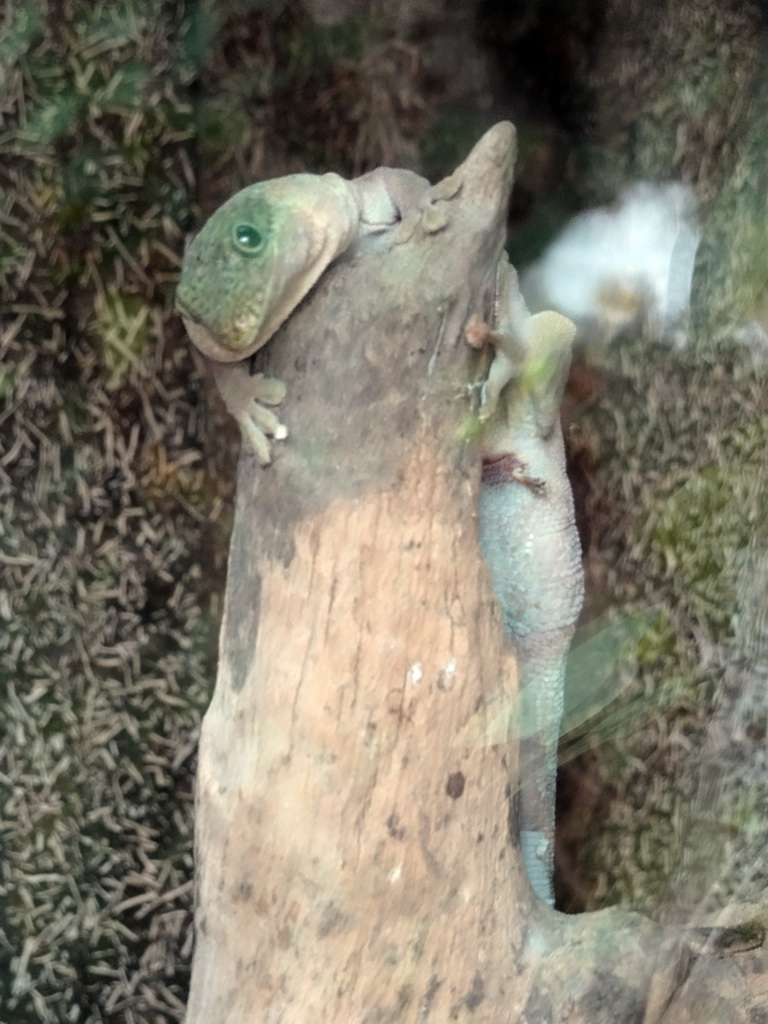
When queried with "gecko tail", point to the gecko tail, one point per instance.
{"points": [[538, 857]]}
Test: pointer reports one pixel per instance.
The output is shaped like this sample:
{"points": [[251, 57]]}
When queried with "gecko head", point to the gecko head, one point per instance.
{"points": [[225, 277], [256, 258]]}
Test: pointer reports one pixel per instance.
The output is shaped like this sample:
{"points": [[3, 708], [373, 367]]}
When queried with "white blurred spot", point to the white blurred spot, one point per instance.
{"points": [[415, 673], [612, 265]]}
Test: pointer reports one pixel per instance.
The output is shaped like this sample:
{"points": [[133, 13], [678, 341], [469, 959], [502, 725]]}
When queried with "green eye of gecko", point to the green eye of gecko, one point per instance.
{"points": [[248, 239]]}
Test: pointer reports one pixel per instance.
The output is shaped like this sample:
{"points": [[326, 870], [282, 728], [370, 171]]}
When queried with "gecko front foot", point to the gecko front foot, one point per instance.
{"points": [[501, 469], [533, 483], [506, 365], [246, 397]]}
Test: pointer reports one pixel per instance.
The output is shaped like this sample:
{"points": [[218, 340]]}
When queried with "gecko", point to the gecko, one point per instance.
{"points": [[528, 538], [256, 258]]}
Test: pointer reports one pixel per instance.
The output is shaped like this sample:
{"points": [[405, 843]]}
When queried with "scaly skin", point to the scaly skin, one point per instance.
{"points": [[257, 257], [528, 537]]}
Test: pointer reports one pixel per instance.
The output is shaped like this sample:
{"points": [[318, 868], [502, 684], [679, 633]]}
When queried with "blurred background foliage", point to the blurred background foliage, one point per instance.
{"points": [[122, 126]]}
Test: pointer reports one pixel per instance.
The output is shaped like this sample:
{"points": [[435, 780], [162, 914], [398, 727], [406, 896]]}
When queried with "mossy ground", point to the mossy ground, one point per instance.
{"points": [[121, 125]]}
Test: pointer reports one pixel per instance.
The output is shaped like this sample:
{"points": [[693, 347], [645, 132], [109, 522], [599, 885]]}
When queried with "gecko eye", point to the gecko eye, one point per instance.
{"points": [[248, 239]]}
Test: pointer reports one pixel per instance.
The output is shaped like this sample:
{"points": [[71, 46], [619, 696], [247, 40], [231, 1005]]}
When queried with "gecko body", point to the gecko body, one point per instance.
{"points": [[528, 538]]}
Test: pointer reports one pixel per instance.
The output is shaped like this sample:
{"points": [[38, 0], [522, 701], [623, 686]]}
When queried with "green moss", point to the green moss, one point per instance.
{"points": [[126, 90], [22, 30], [50, 120]]}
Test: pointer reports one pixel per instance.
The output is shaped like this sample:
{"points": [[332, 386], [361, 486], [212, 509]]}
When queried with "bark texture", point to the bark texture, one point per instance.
{"points": [[357, 778]]}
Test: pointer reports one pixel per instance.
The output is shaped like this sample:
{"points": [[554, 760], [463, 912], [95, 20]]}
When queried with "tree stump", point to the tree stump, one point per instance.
{"points": [[355, 861]]}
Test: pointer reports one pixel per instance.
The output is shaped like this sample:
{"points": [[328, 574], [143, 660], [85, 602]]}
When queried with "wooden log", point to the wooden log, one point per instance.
{"points": [[354, 855]]}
